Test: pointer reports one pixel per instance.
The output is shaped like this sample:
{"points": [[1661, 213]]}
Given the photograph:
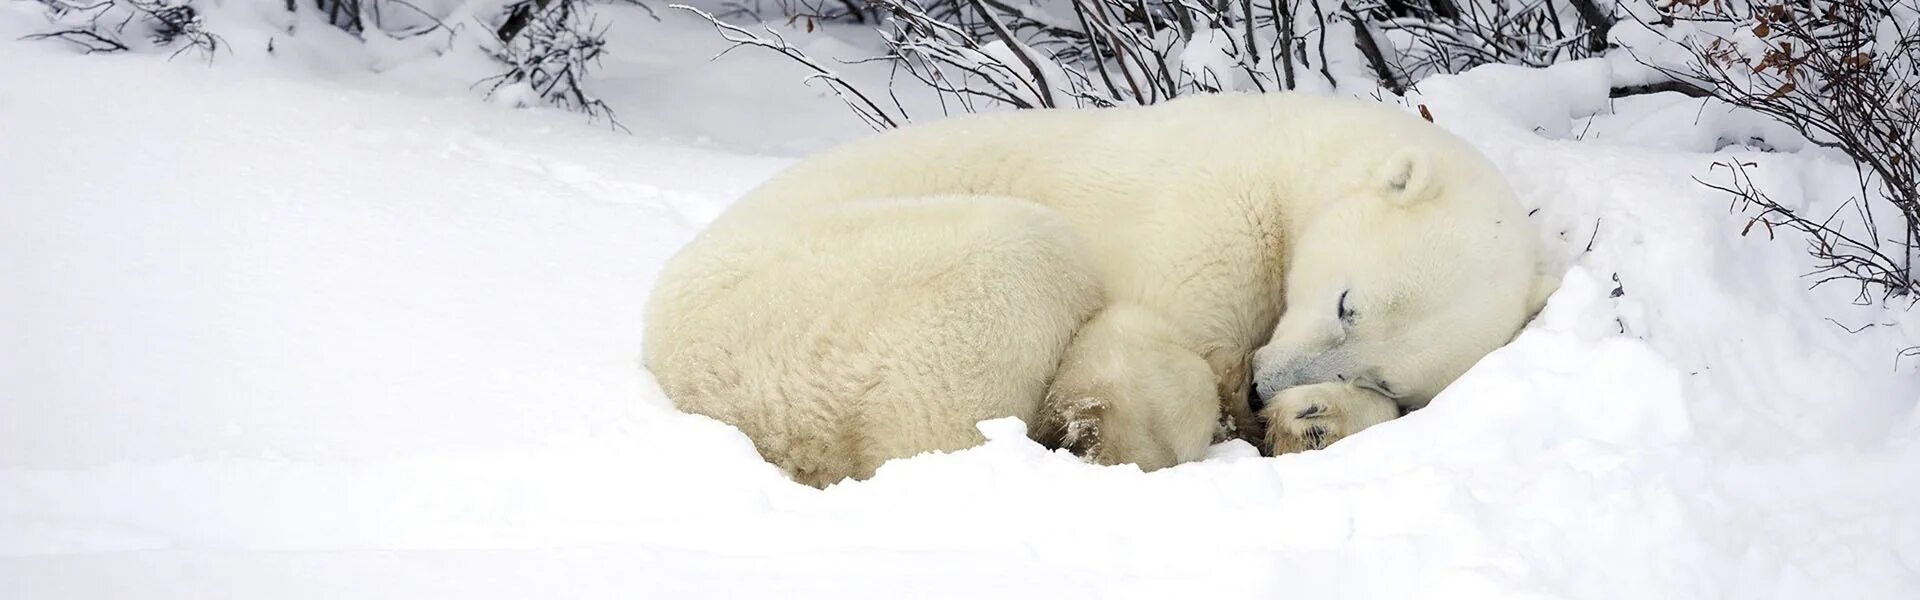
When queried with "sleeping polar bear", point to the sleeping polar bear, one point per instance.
{"points": [[876, 301]]}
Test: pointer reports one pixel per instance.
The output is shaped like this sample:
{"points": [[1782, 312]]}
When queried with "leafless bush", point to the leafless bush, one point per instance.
{"points": [[548, 49], [393, 18], [862, 105], [1102, 52], [1846, 75], [851, 11], [1845, 242], [118, 25], [1052, 53], [345, 14], [1449, 36]]}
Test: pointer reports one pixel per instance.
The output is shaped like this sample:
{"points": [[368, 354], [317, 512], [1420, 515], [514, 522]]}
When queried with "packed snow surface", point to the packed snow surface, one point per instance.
{"points": [[270, 332]]}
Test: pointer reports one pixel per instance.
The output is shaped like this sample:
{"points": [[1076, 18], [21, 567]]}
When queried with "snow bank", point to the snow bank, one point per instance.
{"points": [[273, 333]]}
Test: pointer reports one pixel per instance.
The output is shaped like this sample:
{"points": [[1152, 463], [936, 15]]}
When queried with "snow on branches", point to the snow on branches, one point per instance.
{"points": [[1092, 53], [548, 49], [1846, 75], [122, 25]]}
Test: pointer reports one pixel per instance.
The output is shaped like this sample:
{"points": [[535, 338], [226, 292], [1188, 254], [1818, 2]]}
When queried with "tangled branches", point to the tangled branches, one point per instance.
{"points": [[1442, 36], [1106, 52], [1096, 53], [547, 47], [870, 112], [1846, 75], [1845, 251], [548, 51], [104, 26]]}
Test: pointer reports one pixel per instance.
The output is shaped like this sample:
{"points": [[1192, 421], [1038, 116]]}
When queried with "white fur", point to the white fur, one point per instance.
{"points": [[1129, 391], [874, 301], [1436, 271], [852, 333]]}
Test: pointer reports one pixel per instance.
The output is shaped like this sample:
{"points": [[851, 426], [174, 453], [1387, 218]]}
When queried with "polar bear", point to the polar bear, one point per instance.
{"points": [[874, 301], [1130, 391]]}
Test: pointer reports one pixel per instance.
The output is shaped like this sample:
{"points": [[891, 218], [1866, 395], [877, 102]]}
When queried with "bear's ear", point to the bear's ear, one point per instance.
{"points": [[1407, 177]]}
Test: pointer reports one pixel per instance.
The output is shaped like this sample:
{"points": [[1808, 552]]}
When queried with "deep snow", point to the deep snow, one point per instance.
{"points": [[293, 330]]}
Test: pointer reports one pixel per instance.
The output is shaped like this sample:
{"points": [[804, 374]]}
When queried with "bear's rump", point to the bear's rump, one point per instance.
{"points": [[881, 329]]}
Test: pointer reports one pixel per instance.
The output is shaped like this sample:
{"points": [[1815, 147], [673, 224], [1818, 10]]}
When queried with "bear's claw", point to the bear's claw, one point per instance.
{"points": [[1312, 417], [1315, 437]]}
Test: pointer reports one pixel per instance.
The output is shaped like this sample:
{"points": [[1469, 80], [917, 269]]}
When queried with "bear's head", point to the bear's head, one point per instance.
{"points": [[1403, 282]]}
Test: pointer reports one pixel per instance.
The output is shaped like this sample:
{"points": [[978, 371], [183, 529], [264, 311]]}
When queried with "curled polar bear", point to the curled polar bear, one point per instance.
{"points": [[876, 301]]}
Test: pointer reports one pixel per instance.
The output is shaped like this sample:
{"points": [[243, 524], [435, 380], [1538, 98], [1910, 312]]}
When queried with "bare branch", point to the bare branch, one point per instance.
{"points": [[864, 107]]}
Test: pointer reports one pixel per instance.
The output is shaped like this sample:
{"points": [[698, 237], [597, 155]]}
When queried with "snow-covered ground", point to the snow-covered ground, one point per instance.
{"points": [[279, 330]]}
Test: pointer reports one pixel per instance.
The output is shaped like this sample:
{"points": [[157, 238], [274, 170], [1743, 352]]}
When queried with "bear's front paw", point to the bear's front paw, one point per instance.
{"points": [[1311, 417]]}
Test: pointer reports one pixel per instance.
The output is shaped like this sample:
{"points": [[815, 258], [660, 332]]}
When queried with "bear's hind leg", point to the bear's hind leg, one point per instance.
{"points": [[1129, 391]]}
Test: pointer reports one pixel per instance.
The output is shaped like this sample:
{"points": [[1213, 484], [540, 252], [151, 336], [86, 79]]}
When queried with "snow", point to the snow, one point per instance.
{"points": [[286, 328]]}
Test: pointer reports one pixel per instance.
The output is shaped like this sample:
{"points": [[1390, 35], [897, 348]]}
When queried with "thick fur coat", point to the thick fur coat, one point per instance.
{"points": [[877, 300]]}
